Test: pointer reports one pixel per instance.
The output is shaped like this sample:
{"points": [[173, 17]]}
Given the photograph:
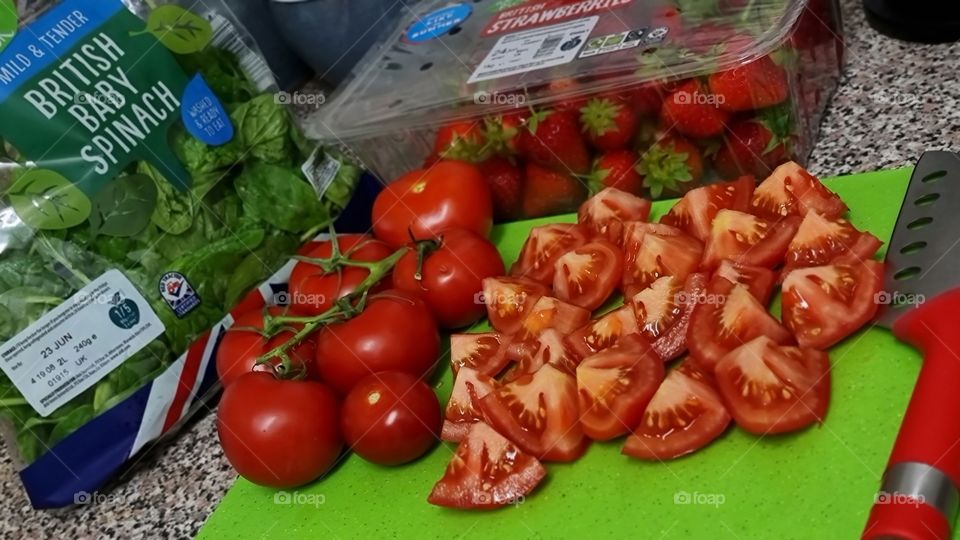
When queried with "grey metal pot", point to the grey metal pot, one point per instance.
{"points": [[332, 35]]}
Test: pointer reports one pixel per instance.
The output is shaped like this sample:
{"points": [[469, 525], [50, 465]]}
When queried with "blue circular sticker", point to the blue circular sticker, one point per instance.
{"points": [[437, 23]]}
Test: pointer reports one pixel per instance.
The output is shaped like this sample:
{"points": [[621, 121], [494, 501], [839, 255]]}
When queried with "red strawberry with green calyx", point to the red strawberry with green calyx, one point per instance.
{"points": [[548, 191], [608, 122], [552, 138], [502, 132], [461, 140], [506, 186], [754, 85], [617, 169], [672, 166], [692, 110], [756, 146]]}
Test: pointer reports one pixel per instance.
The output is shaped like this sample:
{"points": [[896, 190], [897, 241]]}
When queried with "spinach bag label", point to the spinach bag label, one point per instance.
{"points": [[77, 343], [100, 89]]}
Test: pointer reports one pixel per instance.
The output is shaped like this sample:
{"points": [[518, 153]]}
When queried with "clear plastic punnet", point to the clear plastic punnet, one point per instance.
{"points": [[553, 99]]}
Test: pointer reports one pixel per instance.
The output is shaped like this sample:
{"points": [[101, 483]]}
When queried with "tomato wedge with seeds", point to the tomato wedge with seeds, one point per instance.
{"points": [[792, 191], [586, 276], [487, 471], [747, 239], [604, 332], [462, 410], [774, 389], [758, 280], [615, 385], [539, 413], [695, 211], [549, 348], [821, 241], [684, 415], [509, 300], [824, 304], [653, 250], [486, 352], [727, 317], [663, 311], [607, 211], [547, 313], [544, 245]]}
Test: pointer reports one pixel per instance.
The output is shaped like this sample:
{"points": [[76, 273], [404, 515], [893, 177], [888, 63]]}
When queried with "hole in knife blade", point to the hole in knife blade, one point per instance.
{"points": [[913, 247], [927, 199], [919, 223], [933, 177], [907, 273]]}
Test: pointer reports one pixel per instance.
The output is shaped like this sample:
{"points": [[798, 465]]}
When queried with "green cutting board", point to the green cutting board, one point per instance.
{"points": [[819, 483]]}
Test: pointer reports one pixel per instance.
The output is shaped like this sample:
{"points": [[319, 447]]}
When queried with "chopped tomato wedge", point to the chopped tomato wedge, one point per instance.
{"points": [[469, 387], [586, 276], [791, 191], [607, 211], [653, 250], [549, 348], [615, 386], [821, 241], [604, 332], [543, 247], [486, 352], [728, 316], [695, 211], [663, 310], [509, 300], [824, 304], [487, 471], [759, 280], [747, 239], [548, 313], [684, 415], [539, 413], [774, 389]]}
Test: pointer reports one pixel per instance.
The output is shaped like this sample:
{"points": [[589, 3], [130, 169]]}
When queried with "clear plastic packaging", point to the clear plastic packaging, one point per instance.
{"points": [[714, 89]]}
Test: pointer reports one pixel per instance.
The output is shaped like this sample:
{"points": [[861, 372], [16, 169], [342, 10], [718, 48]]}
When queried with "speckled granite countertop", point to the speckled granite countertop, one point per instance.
{"points": [[896, 100]]}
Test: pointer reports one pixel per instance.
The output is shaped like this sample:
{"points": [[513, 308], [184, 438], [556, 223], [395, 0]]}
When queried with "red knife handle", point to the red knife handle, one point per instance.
{"points": [[919, 497]]}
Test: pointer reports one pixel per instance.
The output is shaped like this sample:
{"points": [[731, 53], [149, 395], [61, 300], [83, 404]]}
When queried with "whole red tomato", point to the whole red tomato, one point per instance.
{"points": [[395, 332], [450, 276], [279, 433], [391, 418], [426, 202], [313, 290], [242, 344]]}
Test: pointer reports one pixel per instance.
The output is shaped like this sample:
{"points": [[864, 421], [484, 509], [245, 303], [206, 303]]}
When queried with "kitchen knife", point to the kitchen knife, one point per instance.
{"points": [[919, 494]]}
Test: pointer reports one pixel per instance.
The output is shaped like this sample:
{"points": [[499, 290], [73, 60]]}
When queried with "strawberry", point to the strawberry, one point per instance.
{"points": [[608, 122], [616, 169], [502, 132], [647, 98], [552, 139], [506, 186], [756, 146], [461, 140], [692, 111], [550, 192], [673, 165], [754, 85]]}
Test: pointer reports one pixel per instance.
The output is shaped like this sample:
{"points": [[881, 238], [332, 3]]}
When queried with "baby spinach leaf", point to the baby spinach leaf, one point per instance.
{"points": [[279, 196], [340, 190], [263, 130], [259, 265], [198, 157], [43, 199], [222, 72], [69, 423], [179, 30], [174, 210], [123, 207]]}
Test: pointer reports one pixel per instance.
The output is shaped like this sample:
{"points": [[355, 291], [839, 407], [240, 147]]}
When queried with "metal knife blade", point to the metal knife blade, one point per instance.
{"points": [[923, 258]]}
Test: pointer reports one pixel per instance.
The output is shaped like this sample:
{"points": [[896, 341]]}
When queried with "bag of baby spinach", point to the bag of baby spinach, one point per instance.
{"points": [[150, 178]]}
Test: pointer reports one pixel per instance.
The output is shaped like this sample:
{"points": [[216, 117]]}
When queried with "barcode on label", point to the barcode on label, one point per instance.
{"points": [[226, 36], [547, 46]]}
